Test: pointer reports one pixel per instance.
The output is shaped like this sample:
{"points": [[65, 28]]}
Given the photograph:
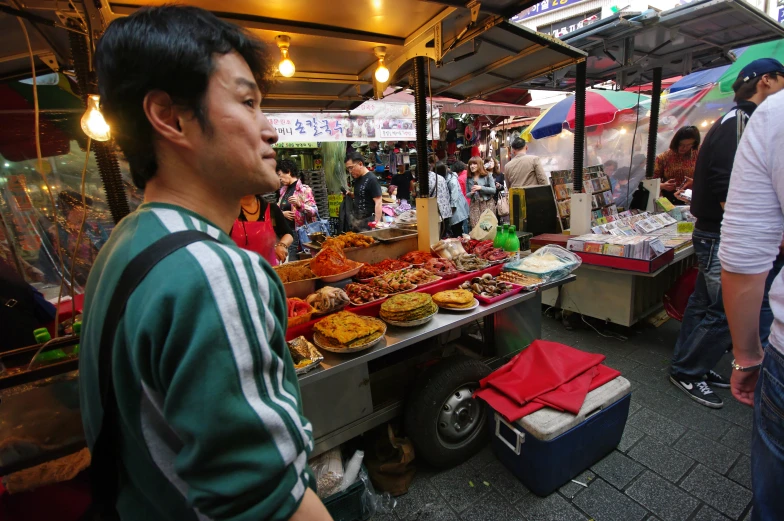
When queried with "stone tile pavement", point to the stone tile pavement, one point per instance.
{"points": [[677, 461]]}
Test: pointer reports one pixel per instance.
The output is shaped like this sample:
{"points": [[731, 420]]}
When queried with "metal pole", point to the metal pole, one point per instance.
{"points": [[420, 124], [653, 128], [579, 126]]}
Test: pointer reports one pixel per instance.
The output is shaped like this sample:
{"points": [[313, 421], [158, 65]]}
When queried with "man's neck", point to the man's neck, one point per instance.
{"points": [[520, 153], [194, 197]]}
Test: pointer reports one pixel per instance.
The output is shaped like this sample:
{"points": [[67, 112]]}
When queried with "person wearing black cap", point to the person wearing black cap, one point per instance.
{"points": [[704, 335]]}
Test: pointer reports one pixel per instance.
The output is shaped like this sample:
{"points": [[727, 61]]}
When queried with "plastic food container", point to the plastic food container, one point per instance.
{"points": [[485, 300]]}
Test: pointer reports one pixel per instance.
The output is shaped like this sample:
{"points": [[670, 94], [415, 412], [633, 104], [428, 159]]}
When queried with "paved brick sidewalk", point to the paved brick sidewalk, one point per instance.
{"points": [[677, 461]]}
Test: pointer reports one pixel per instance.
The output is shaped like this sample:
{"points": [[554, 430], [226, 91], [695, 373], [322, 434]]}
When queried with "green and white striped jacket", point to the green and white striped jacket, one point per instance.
{"points": [[211, 418]]}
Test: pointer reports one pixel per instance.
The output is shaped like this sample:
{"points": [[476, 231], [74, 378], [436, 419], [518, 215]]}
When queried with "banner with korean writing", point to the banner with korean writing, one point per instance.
{"points": [[564, 27], [371, 121], [545, 6]]}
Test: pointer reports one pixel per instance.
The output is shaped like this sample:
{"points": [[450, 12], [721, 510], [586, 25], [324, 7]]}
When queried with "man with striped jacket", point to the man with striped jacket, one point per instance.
{"points": [[209, 420]]}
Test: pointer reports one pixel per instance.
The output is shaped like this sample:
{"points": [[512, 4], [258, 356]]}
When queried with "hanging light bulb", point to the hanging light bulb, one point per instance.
{"points": [[382, 73], [286, 66], [93, 123]]}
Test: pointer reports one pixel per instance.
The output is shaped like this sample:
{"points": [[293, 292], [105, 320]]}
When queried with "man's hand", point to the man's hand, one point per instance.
{"points": [[679, 196], [743, 385], [288, 214]]}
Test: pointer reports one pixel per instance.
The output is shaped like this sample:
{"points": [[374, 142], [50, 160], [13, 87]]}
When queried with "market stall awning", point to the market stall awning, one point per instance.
{"points": [[475, 53], [487, 108], [626, 47]]}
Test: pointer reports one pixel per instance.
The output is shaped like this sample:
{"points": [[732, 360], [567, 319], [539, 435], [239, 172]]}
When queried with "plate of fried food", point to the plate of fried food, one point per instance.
{"points": [[298, 280], [327, 300], [349, 240], [419, 276], [391, 283], [361, 294], [470, 262], [331, 265], [369, 271], [304, 354], [514, 277], [345, 332], [456, 300], [408, 309]]}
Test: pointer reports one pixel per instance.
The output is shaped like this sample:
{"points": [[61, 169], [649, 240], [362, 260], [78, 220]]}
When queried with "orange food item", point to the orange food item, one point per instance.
{"points": [[298, 307], [330, 261]]}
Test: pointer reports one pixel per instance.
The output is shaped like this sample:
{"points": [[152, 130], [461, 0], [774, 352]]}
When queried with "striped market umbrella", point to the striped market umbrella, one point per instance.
{"points": [[601, 106], [723, 88]]}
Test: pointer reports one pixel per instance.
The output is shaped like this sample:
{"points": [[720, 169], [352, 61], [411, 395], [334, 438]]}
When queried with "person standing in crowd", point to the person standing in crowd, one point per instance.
{"points": [[403, 181], [261, 227], [610, 167], [481, 188], [524, 169], [295, 200], [675, 167], [704, 335], [456, 200], [751, 234], [461, 169], [184, 105], [366, 194], [437, 188]]}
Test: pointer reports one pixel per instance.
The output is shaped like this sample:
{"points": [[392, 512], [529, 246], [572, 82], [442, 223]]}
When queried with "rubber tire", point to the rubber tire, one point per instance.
{"points": [[424, 405]]}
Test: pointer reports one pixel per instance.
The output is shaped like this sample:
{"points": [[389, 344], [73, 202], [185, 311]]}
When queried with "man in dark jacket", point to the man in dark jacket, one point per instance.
{"points": [[705, 337]]}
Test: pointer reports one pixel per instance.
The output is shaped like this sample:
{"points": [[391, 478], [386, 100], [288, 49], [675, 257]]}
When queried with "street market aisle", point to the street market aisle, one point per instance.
{"points": [[677, 461]]}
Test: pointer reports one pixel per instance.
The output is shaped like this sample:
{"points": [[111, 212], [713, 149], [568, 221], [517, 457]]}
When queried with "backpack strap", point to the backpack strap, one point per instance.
{"points": [[741, 118], [106, 464]]}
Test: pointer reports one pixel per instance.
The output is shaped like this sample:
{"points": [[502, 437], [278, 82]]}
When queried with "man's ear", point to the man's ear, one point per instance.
{"points": [[166, 118]]}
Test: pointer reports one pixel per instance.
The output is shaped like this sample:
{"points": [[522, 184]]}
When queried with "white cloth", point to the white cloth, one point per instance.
{"points": [[753, 224]]}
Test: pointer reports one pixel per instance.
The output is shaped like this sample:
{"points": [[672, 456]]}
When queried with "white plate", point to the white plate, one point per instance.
{"points": [[412, 323], [459, 310], [342, 276]]}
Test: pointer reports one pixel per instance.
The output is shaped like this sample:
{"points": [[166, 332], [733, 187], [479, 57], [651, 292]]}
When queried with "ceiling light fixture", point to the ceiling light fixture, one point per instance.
{"points": [[93, 124], [286, 66], [382, 73]]}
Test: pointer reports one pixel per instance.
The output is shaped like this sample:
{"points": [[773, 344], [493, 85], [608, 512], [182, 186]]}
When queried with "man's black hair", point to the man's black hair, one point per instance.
{"points": [[171, 49], [518, 144], [356, 157], [690, 132], [611, 162], [745, 90], [458, 167], [287, 166]]}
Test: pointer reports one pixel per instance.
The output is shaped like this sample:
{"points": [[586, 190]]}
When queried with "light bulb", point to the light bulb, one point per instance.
{"points": [[93, 123], [382, 73], [623, 131], [286, 66]]}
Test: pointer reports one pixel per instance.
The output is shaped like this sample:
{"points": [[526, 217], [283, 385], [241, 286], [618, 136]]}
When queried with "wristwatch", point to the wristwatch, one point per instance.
{"points": [[747, 369]]}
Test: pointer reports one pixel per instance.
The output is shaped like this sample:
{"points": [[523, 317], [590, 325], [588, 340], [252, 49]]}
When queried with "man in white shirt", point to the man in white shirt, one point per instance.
{"points": [[751, 236]]}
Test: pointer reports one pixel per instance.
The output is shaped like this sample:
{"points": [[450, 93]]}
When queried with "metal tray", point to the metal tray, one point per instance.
{"points": [[391, 234]]}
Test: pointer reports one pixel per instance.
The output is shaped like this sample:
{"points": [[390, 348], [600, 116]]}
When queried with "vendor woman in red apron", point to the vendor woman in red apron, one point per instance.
{"points": [[262, 228]]}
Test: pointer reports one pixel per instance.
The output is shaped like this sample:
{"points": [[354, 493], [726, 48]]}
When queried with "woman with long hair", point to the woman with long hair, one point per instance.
{"points": [[480, 185], [675, 167]]}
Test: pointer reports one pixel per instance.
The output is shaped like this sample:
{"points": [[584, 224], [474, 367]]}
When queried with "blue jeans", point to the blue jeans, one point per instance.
{"points": [[767, 440], [705, 333]]}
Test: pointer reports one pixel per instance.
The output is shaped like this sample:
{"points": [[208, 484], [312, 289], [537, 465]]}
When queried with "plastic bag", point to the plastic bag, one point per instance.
{"points": [[328, 469], [372, 502], [486, 226], [548, 263]]}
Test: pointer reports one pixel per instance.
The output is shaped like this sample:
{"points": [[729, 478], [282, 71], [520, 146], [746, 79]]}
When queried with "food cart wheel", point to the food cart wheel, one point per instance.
{"points": [[445, 423]]}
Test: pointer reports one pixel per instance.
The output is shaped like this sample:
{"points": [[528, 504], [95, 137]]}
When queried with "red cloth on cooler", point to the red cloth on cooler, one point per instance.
{"points": [[547, 374]]}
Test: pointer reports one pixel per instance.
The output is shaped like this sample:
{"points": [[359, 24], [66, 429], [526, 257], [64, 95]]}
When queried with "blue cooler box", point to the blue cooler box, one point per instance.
{"points": [[548, 448]]}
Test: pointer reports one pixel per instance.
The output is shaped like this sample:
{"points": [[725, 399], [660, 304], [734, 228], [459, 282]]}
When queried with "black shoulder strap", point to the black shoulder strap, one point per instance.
{"points": [[104, 468]]}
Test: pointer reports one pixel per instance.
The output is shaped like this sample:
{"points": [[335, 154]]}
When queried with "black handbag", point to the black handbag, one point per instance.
{"points": [[105, 467]]}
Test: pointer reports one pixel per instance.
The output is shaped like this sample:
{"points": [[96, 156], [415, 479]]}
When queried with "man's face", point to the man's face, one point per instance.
{"points": [[235, 150], [608, 170], [775, 83], [355, 169]]}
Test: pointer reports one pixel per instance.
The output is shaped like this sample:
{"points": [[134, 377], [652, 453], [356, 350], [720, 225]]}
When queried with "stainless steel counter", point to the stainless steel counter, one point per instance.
{"points": [[399, 337]]}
